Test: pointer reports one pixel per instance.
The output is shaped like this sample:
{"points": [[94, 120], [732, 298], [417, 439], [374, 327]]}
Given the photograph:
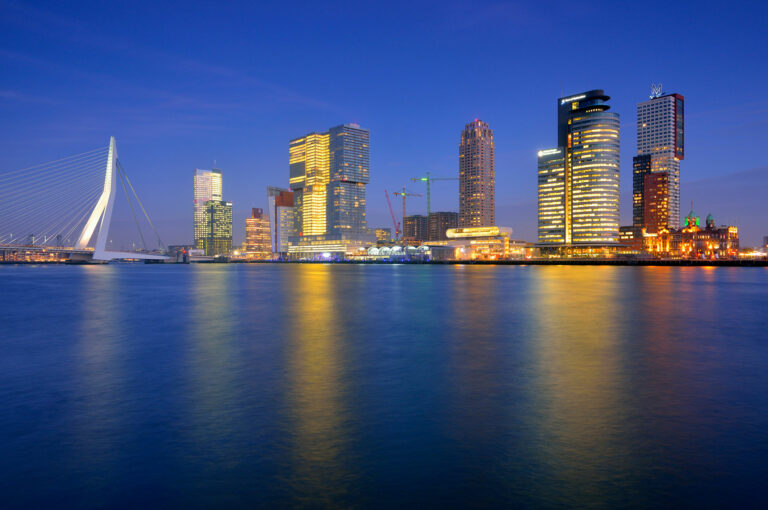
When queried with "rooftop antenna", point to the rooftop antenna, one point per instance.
{"points": [[655, 90]]}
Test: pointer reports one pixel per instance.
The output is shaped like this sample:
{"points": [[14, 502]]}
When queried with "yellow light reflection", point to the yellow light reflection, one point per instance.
{"points": [[316, 395]]}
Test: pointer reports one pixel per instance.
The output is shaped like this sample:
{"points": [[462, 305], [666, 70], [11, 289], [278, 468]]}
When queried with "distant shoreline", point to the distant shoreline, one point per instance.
{"points": [[532, 262]]}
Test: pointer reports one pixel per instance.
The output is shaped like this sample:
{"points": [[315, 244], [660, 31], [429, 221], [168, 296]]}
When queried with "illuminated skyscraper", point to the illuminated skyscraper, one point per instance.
{"points": [[207, 186], [477, 179], [660, 148], [579, 180], [257, 235], [217, 230], [309, 177]]}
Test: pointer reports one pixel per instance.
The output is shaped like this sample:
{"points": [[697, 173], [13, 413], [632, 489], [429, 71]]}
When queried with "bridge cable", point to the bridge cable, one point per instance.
{"points": [[160, 242], [121, 172]]}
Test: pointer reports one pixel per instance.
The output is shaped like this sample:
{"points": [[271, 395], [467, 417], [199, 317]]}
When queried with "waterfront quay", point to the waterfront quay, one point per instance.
{"points": [[527, 262]]}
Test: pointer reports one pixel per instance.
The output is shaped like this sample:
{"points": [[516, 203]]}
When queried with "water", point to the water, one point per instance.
{"points": [[383, 386]]}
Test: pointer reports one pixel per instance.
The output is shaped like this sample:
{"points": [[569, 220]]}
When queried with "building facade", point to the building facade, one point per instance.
{"points": [[477, 178], [257, 235], [578, 181], [217, 232], [656, 202], [641, 166], [207, 186], [309, 177], [661, 140], [383, 235], [415, 228], [439, 222]]}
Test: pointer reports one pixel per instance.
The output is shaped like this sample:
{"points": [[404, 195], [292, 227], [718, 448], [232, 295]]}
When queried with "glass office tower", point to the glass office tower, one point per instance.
{"points": [[217, 238], [579, 180], [349, 159], [551, 197]]}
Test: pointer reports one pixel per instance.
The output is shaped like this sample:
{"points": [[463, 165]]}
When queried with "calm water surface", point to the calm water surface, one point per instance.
{"points": [[383, 386]]}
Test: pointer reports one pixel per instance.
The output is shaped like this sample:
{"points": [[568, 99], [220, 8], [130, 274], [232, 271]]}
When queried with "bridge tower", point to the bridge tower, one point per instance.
{"points": [[102, 213]]}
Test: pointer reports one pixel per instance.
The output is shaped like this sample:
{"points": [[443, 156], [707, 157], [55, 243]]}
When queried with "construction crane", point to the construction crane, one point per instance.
{"points": [[429, 180], [392, 213], [405, 193]]}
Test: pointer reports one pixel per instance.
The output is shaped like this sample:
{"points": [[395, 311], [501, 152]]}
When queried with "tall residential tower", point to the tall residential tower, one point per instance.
{"points": [[578, 181], [660, 148], [477, 180]]}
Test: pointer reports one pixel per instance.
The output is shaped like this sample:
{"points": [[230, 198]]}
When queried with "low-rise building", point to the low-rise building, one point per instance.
{"points": [[695, 241]]}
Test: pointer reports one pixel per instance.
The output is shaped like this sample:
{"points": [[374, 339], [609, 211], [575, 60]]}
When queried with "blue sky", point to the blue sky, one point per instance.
{"points": [[183, 84]]}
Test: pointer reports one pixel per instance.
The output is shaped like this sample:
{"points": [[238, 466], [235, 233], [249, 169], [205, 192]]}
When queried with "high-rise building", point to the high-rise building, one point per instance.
{"points": [[415, 228], [552, 216], [439, 222], [309, 176], [661, 147], [477, 179], [328, 174], [217, 232], [579, 179], [349, 173], [207, 186], [257, 235], [281, 219]]}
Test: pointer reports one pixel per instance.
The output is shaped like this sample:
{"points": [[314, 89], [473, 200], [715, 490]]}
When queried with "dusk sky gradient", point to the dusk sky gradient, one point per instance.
{"points": [[183, 84]]}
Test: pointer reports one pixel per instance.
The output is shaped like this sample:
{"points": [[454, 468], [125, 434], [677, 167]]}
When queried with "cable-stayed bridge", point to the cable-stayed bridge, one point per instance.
{"points": [[64, 207]]}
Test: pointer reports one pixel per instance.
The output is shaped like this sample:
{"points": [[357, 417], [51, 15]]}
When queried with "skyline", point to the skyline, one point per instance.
{"points": [[71, 85]]}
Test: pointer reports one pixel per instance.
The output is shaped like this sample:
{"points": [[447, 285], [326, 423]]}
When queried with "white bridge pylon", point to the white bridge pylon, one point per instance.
{"points": [[99, 220]]}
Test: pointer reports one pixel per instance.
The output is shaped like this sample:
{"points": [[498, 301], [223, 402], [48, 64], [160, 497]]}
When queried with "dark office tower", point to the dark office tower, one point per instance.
{"points": [[439, 222], [477, 179], [641, 166], [349, 161], [579, 179], [661, 136], [415, 228]]}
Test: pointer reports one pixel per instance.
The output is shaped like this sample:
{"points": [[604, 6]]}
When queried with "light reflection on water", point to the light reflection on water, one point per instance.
{"points": [[349, 386], [318, 416]]}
